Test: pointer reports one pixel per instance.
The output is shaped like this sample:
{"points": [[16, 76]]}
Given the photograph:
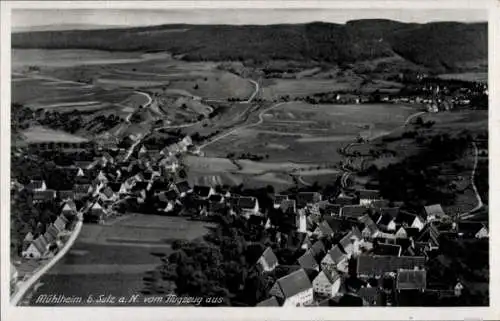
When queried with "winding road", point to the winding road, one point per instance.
{"points": [[260, 121], [480, 204]]}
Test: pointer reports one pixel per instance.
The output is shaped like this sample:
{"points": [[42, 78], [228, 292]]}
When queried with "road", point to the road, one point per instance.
{"points": [[468, 214], [260, 121], [257, 88]]}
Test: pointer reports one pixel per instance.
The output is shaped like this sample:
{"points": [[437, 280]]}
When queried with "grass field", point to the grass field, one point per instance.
{"points": [[304, 133], [467, 76], [38, 134], [113, 259]]}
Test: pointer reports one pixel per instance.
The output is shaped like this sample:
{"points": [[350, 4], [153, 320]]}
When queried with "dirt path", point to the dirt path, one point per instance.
{"points": [[480, 204], [260, 121]]}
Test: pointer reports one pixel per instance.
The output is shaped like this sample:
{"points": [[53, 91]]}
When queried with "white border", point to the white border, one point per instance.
{"points": [[144, 313]]}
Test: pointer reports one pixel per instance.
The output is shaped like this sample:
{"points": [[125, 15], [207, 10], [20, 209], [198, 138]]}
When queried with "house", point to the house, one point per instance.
{"points": [[351, 243], [401, 233], [161, 185], [318, 250], [37, 248], [278, 199], [371, 296], [69, 209], [37, 185], [411, 279], [379, 204], [203, 192], [268, 260], [409, 220], [44, 195], [271, 302], [66, 195], [386, 222], [248, 205], [434, 212], [60, 223], [183, 188], [367, 196], [336, 224], [353, 211], [294, 289], [288, 206], [369, 227], [379, 265], [306, 198], [335, 259], [472, 229], [51, 234], [82, 190], [307, 261], [323, 230], [96, 213], [430, 236], [384, 249], [301, 222], [329, 209], [327, 283], [28, 238], [344, 199], [108, 196]]}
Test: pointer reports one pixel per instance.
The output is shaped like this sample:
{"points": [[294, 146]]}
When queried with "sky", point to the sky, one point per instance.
{"points": [[22, 18]]}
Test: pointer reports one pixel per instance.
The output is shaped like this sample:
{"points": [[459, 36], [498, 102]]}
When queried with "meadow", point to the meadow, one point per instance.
{"points": [[115, 258]]}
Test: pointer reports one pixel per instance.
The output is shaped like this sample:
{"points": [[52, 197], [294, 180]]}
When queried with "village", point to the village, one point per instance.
{"points": [[355, 248]]}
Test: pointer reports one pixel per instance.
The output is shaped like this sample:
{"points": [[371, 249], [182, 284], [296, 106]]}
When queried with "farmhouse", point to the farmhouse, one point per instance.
{"points": [[295, 289], [327, 283], [353, 211], [335, 259], [248, 205]]}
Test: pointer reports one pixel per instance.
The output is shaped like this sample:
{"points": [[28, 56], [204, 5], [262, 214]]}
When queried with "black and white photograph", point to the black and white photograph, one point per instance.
{"points": [[248, 157]]}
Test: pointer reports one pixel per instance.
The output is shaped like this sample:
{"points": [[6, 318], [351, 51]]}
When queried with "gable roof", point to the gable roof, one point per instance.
{"points": [[329, 275], [294, 283], [318, 248], [307, 261], [385, 219], [378, 204], [406, 218], [215, 198], [434, 210], [411, 280], [387, 249], [392, 211], [271, 302], [346, 240], [269, 257], [335, 224], [469, 227], [372, 296], [44, 195], [378, 265], [335, 254], [108, 192], [353, 211], [69, 194], [35, 184], [325, 228], [368, 194], [82, 188]]}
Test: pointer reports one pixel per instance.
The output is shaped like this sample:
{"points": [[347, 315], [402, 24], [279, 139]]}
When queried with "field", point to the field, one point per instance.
{"points": [[305, 133], [467, 76], [40, 134], [113, 259]]}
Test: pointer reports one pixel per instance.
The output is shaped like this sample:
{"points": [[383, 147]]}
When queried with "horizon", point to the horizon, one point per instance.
{"points": [[126, 18]]}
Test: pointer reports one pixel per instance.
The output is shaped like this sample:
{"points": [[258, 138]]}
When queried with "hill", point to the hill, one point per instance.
{"points": [[445, 46]]}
